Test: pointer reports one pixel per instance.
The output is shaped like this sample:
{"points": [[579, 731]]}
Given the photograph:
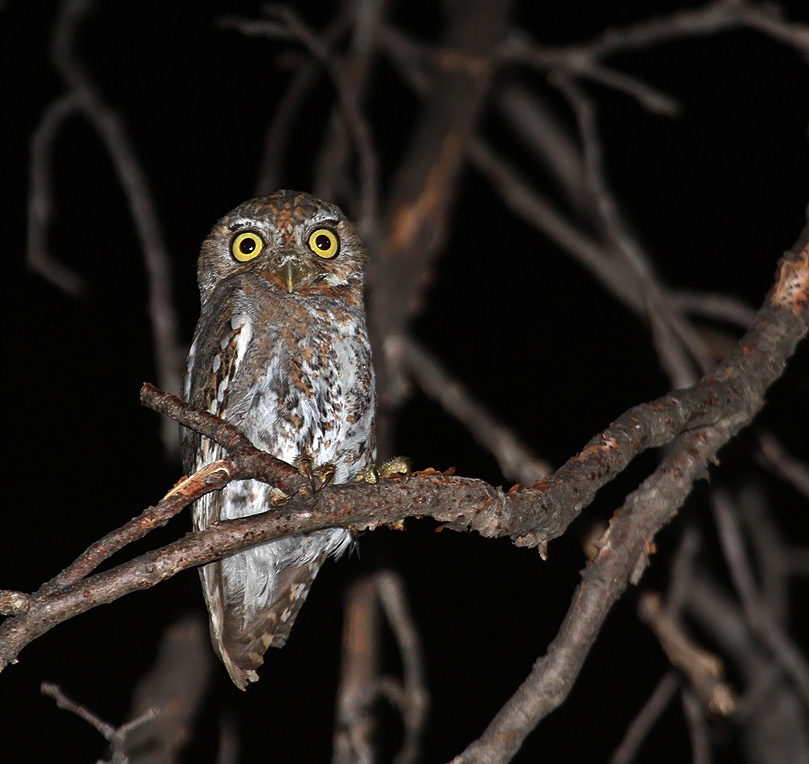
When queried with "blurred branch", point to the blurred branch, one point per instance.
{"points": [[770, 715], [331, 174], [546, 136], [780, 462], [652, 710], [413, 695], [172, 691], [40, 198], [115, 736], [720, 15], [362, 684], [293, 27], [697, 727], [83, 96], [675, 338], [760, 621], [514, 458], [355, 721], [275, 142], [718, 306], [704, 670], [423, 188]]}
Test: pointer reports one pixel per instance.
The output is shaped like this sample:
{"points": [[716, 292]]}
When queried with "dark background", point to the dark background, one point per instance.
{"points": [[716, 195]]}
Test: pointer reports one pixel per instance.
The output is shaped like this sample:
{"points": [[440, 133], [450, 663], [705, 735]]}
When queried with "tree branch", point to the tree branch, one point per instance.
{"points": [[626, 545], [699, 420]]}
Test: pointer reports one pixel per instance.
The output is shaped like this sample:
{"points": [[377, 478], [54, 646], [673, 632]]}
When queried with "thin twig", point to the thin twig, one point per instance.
{"points": [[415, 698], [111, 130], [116, 736], [784, 649], [647, 717], [514, 458], [704, 670], [697, 728], [40, 198], [62, 701], [294, 27]]}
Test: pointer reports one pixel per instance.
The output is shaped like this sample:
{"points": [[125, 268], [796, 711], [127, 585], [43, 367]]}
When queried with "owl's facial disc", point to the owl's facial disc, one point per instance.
{"points": [[292, 269]]}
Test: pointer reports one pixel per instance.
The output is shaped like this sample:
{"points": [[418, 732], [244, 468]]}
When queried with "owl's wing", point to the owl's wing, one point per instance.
{"points": [[213, 364], [243, 643]]}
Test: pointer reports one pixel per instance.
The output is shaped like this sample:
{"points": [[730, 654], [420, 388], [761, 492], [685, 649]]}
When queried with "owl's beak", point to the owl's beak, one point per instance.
{"points": [[290, 275], [290, 269]]}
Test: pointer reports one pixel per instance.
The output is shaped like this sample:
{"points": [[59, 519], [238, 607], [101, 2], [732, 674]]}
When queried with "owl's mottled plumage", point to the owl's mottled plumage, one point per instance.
{"points": [[281, 351]]}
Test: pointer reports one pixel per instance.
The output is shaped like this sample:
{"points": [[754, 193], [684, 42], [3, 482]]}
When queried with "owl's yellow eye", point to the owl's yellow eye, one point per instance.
{"points": [[324, 243], [246, 246]]}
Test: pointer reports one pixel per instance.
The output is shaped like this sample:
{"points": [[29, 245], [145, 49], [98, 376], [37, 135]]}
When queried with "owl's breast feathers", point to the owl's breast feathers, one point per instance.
{"points": [[294, 373]]}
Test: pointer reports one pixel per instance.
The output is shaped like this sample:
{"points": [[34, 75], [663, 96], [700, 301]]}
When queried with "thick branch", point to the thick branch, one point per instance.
{"points": [[757, 362]]}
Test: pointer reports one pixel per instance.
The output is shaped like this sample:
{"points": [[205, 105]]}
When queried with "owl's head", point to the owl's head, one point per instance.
{"points": [[298, 244]]}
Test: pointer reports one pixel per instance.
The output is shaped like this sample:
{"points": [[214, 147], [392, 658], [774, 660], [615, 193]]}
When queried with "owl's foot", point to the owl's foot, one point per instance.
{"points": [[319, 476], [397, 465]]}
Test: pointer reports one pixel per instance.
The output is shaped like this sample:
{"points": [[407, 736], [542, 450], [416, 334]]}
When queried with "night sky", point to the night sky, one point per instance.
{"points": [[715, 194]]}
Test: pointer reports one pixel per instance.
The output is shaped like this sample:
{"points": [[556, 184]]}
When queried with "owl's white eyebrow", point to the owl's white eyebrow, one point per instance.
{"points": [[327, 221], [239, 224]]}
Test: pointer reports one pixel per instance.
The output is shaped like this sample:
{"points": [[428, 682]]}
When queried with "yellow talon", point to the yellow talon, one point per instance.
{"points": [[398, 465]]}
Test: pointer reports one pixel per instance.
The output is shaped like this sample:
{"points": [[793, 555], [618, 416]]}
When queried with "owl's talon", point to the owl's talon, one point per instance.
{"points": [[319, 476], [325, 473], [397, 465]]}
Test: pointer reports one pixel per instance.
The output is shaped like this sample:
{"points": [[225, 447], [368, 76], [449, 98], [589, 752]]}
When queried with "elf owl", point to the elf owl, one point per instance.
{"points": [[281, 351]]}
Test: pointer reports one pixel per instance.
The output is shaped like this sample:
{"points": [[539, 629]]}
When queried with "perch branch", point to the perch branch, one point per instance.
{"points": [[700, 420]]}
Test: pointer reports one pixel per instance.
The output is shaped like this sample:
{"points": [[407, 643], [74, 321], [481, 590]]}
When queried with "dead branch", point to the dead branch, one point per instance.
{"points": [[625, 547], [698, 421]]}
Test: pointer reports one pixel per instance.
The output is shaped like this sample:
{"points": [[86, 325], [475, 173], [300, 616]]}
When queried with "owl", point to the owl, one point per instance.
{"points": [[281, 351]]}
